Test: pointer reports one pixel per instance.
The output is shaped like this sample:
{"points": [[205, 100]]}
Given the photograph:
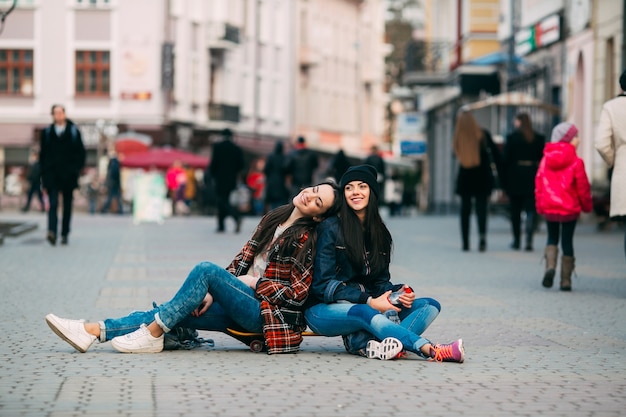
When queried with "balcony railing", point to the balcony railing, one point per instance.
{"points": [[222, 35], [427, 62], [223, 113]]}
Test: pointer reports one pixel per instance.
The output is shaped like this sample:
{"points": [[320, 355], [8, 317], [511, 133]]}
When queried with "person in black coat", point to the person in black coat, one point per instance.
{"points": [[338, 165], [301, 165], [226, 165], [34, 179], [479, 160], [114, 185], [62, 157], [374, 159], [523, 151], [276, 193]]}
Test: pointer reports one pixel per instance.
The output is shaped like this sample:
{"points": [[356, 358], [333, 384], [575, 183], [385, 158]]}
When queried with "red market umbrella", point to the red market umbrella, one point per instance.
{"points": [[132, 142], [163, 158]]}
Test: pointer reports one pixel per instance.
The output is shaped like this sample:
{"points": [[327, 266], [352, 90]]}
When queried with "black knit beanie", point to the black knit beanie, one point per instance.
{"points": [[365, 173]]}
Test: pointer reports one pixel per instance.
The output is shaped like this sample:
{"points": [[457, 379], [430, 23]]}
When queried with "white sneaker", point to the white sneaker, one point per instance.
{"points": [[389, 348], [72, 331], [139, 341]]}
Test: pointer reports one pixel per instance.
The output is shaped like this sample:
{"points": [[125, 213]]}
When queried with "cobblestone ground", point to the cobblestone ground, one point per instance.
{"points": [[530, 351]]}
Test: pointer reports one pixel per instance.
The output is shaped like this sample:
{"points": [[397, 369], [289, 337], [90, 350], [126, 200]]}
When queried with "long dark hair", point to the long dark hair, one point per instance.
{"points": [[371, 236], [264, 234], [526, 127]]}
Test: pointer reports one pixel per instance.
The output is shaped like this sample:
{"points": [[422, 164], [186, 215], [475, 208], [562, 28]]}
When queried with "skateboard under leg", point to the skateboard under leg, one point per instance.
{"points": [[255, 341]]}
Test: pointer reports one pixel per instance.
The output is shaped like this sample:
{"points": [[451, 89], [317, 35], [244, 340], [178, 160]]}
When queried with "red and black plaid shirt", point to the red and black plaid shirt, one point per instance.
{"points": [[283, 289]]}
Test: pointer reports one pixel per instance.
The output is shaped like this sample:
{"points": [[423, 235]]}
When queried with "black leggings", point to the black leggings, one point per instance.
{"points": [[521, 203], [481, 215], [566, 232]]}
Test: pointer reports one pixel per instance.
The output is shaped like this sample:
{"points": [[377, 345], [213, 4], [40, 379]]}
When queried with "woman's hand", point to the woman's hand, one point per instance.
{"points": [[249, 280], [204, 306], [407, 298], [382, 304]]}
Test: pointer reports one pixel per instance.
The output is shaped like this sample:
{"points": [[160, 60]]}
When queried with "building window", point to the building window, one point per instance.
{"points": [[16, 71], [92, 73]]}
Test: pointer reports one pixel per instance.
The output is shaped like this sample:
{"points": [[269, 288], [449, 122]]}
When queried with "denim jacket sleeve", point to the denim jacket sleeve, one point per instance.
{"points": [[382, 283], [331, 275]]}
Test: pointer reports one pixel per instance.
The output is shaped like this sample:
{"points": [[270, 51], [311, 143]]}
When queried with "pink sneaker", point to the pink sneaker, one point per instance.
{"points": [[451, 352]]}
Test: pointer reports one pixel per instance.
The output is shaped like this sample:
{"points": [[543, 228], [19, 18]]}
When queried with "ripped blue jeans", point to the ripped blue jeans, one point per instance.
{"points": [[340, 319], [234, 306]]}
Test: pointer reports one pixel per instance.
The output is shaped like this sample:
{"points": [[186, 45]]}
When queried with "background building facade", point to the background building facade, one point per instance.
{"points": [[182, 70]]}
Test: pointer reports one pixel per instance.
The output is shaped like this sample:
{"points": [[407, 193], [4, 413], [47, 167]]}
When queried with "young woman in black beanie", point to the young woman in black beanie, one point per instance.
{"points": [[351, 282]]}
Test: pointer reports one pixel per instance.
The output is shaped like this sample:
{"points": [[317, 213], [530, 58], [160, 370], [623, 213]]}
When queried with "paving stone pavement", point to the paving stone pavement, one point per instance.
{"points": [[530, 351]]}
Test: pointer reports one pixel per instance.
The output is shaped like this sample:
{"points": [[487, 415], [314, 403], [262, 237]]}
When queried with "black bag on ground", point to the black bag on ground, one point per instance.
{"points": [[184, 338]]}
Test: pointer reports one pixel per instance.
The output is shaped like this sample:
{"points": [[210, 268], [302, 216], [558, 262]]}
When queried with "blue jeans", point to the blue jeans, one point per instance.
{"points": [[234, 306], [344, 318]]}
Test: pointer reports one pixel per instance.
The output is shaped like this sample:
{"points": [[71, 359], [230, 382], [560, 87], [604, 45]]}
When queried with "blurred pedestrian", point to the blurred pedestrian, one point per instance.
{"points": [[62, 157], [226, 166], [208, 195], [394, 190], [611, 144], [479, 159], [113, 185], [522, 152], [374, 159], [276, 192], [191, 186], [175, 179], [301, 165], [93, 191], [562, 191], [255, 180], [34, 180], [338, 165]]}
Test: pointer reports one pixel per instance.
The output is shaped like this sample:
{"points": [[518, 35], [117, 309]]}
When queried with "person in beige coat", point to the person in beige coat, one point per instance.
{"points": [[611, 144]]}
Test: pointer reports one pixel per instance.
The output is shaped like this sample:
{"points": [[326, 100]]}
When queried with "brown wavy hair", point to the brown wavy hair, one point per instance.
{"points": [[467, 139]]}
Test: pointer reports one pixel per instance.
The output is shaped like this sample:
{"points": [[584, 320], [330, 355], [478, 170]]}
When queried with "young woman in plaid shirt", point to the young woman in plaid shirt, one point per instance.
{"points": [[262, 290]]}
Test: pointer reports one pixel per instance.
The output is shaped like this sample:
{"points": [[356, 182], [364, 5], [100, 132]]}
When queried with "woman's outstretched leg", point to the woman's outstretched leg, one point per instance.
{"points": [[164, 317], [237, 299]]}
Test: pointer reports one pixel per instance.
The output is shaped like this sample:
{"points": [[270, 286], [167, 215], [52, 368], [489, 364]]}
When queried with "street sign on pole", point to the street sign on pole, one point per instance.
{"points": [[410, 128]]}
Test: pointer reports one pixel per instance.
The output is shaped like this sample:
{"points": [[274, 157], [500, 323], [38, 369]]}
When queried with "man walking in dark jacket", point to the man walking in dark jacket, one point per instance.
{"points": [[226, 164], [62, 157]]}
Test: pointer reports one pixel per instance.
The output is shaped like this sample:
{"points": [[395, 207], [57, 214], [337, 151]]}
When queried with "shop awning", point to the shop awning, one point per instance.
{"points": [[511, 98], [163, 158]]}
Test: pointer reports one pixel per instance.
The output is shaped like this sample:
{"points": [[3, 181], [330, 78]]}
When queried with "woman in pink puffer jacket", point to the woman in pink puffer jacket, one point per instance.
{"points": [[562, 191]]}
